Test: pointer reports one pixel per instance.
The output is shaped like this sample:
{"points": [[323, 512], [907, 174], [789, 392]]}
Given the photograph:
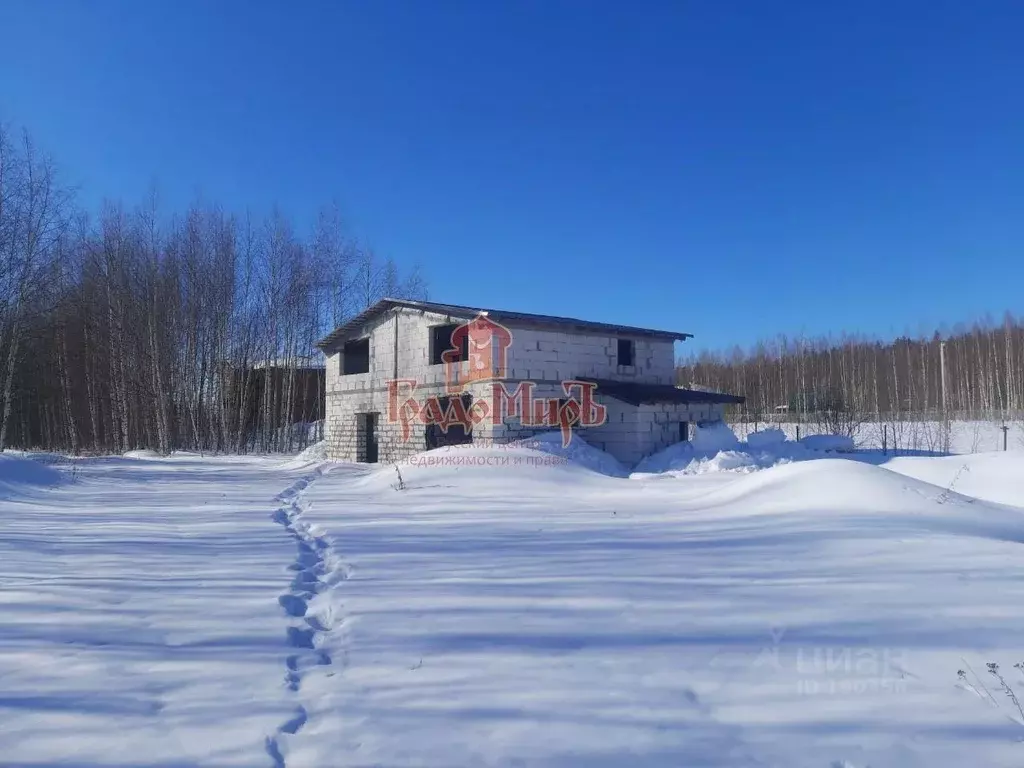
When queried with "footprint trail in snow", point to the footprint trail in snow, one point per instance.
{"points": [[316, 569]]}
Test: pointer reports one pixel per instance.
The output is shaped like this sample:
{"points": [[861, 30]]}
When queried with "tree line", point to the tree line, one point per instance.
{"points": [[135, 328], [842, 383]]}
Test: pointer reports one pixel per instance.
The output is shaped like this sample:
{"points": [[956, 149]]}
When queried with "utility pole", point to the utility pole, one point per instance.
{"points": [[942, 376]]}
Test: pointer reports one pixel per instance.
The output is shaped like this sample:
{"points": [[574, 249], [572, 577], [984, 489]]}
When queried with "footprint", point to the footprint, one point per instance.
{"points": [[293, 605], [311, 565], [275, 752], [300, 638], [304, 578], [318, 624], [294, 725]]}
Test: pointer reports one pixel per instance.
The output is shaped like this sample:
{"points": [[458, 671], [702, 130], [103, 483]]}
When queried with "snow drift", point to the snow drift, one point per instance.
{"points": [[996, 477], [578, 452], [18, 473], [314, 454], [766, 438], [715, 448]]}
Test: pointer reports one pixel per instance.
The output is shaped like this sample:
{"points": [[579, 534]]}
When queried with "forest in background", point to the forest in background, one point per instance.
{"points": [[120, 330], [837, 385]]}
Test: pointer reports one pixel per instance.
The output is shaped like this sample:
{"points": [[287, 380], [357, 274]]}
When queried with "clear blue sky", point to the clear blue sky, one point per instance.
{"points": [[731, 169]]}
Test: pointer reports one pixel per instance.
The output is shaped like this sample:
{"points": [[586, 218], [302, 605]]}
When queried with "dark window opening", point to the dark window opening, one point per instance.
{"points": [[441, 341], [626, 352], [355, 357], [684, 431], [457, 434]]}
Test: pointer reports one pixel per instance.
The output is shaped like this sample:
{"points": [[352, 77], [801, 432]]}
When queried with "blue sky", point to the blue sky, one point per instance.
{"points": [[731, 169]]}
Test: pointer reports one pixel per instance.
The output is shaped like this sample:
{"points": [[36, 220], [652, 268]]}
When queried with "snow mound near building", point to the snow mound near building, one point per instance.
{"points": [[723, 461], [578, 452], [715, 448], [708, 442], [541, 459], [314, 454], [713, 437], [767, 438]]}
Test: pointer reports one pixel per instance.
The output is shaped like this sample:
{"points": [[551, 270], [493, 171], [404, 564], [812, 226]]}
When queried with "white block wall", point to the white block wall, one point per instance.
{"points": [[630, 432], [348, 395], [546, 355]]}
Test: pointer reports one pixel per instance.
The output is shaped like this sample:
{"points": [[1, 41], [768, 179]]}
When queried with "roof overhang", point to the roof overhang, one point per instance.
{"points": [[649, 394]]}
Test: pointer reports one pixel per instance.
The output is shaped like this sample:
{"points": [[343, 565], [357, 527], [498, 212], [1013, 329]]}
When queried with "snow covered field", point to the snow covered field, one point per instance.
{"points": [[512, 607]]}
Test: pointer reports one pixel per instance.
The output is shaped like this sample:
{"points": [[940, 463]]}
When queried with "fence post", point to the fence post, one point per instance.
{"points": [[798, 433], [1006, 430]]}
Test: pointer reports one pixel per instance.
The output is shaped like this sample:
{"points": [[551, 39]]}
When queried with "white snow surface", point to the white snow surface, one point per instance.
{"points": [[510, 607], [142, 453], [965, 436], [314, 454], [18, 471], [766, 438], [840, 443], [713, 437], [578, 452]]}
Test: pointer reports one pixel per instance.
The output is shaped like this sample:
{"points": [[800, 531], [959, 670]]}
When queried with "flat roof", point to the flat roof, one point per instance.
{"points": [[637, 394]]}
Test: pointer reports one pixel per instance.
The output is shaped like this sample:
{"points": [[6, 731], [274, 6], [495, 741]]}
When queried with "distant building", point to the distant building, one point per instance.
{"points": [[269, 395]]}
